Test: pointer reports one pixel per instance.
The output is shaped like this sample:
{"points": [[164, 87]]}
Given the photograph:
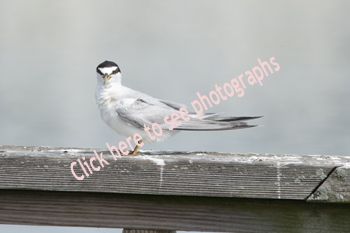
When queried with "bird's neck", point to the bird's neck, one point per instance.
{"points": [[111, 92]]}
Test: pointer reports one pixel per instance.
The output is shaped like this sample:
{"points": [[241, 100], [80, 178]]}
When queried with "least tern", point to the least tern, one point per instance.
{"points": [[128, 111]]}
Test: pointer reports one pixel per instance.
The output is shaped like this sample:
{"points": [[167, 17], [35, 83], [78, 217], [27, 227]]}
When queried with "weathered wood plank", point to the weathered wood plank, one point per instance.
{"points": [[238, 215], [336, 188], [168, 173]]}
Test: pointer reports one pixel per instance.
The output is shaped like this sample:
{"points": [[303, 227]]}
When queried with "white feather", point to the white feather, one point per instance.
{"points": [[107, 70]]}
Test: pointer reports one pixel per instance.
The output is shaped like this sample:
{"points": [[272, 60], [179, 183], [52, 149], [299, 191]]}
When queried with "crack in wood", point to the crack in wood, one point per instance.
{"points": [[322, 182]]}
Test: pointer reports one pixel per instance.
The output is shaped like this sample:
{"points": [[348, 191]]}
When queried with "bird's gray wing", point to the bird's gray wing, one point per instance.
{"points": [[166, 103], [177, 106], [173, 105], [211, 125], [138, 112]]}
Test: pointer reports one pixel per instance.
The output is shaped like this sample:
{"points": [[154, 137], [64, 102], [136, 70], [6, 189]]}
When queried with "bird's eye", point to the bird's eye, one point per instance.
{"points": [[115, 71]]}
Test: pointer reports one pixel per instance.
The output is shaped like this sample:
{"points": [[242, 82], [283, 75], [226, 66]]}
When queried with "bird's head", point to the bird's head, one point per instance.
{"points": [[108, 71]]}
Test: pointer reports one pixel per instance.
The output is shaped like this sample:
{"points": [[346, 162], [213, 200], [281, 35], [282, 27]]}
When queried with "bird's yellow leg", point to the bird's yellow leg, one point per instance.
{"points": [[136, 149]]}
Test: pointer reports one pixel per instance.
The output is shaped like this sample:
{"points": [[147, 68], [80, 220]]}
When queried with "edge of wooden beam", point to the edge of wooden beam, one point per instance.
{"points": [[212, 174]]}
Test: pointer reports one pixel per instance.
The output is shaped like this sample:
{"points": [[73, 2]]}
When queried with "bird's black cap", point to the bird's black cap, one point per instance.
{"points": [[106, 64]]}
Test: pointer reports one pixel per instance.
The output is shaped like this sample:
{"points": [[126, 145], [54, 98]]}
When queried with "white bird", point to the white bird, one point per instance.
{"points": [[128, 111]]}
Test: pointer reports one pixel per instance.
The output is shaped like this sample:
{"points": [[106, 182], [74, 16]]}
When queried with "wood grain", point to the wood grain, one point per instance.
{"points": [[336, 188], [162, 212], [169, 173]]}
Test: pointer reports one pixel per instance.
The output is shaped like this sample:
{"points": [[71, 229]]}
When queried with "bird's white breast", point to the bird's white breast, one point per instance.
{"points": [[106, 99]]}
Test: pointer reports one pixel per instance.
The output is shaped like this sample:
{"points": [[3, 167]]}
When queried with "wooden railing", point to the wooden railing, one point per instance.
{"points": [[168, 191]]}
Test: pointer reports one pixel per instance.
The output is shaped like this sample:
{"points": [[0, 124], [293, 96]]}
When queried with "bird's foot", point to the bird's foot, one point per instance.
{"points": [[134, 153]]}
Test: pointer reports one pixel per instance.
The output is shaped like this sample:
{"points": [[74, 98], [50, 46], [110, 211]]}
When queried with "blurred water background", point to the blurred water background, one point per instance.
{"points": [[171, 50]]}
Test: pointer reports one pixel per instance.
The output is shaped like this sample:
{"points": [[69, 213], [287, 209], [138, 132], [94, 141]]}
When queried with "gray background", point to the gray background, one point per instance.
{"points": [[172, 49]]}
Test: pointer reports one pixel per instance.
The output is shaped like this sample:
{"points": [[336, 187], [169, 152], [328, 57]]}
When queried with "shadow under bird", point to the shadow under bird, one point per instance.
{"points": [[128, 111]]}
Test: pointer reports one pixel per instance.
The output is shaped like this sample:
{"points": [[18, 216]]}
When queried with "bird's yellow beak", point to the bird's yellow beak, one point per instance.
{"points": [[106, 77]]}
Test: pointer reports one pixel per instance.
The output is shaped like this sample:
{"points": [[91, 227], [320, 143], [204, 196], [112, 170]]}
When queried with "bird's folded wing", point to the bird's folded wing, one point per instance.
{"points": [[138, 112], [177, 106], [173, 105], [209, 125]]}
